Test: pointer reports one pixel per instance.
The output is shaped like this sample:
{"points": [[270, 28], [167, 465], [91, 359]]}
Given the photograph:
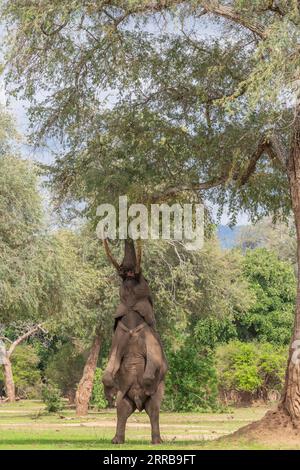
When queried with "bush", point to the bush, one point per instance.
{"points": [[191, 381], [272, 281], [52, 398], [249, 371], [26, 374], [209, 331], [98, 397]]}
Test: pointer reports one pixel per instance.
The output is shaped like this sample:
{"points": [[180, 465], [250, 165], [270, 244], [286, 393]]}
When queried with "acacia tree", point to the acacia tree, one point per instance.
{"points": [[189, 114]]}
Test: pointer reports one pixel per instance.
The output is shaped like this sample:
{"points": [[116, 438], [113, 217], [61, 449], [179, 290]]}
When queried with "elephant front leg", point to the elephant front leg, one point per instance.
{"points": [[150, 377], [120, 340], [125, 408]]}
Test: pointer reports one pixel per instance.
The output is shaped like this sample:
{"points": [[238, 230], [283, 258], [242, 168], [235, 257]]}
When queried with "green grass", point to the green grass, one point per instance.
{"points": [[26, 425]]}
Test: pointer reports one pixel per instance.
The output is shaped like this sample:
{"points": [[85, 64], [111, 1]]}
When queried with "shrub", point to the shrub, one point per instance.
{"points": [[98, 397], [191, 381], [52, 398], [272, 281], [209, 331], [250, 370]]}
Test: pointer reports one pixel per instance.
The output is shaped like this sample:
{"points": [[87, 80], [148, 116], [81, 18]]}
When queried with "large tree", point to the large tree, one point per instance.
{"points": [[187, 112]]}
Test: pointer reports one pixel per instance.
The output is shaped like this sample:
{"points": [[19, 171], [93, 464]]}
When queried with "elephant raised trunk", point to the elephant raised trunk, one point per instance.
{"points": [[131, 260], [137, 364]]}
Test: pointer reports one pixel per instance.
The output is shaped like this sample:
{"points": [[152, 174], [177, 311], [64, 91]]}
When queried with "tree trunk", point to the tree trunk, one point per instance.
{"points": [[9, 380], [291, 395], [85, 386]]}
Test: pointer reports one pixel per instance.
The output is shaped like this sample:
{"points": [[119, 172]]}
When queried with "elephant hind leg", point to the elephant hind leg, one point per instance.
{"points": [[152, 407], [125, 407]]}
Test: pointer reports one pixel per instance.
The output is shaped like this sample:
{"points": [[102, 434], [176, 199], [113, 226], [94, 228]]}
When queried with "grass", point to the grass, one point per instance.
{"points": [[26, 425]]}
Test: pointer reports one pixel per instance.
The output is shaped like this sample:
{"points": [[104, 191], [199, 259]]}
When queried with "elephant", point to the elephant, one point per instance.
{"points": [[137, 364]]}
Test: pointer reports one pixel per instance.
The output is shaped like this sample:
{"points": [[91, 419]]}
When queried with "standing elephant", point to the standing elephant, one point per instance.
{"points": [[137, 364]]}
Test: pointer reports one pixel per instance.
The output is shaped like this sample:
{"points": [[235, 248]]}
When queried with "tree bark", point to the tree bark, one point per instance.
{"points": [[291, 395], [85, 386], [9, 380]]}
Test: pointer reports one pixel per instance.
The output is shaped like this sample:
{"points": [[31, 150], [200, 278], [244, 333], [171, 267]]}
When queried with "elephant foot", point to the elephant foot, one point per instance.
{"points": [[156, 440], [118, 440]]}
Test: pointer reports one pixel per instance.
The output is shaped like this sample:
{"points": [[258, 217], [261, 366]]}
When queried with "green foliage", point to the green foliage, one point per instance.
{"points": [[191, 382], [98, 398], [26, 374], [269, 315], [270, 319], [185, 108], [211, 331], [29, 268], [52, 397], [252, 368], [188, 286], [64, 368], [85, 287], [20, 203], [21, 269]]}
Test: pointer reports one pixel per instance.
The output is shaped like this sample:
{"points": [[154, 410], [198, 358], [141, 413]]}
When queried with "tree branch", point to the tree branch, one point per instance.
{"points": [[209, 6], [270, 145], [225, 11], [22, 338], [173, 191], [261, 147], [276, 150], [56, 30], [3, 338]]}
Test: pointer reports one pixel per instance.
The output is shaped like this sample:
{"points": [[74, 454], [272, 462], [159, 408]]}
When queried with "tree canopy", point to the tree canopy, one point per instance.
{"points": [[23, 243], [146, 105]]}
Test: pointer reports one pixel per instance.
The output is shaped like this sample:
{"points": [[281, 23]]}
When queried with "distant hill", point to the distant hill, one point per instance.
{"points": [[228, 236]]}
